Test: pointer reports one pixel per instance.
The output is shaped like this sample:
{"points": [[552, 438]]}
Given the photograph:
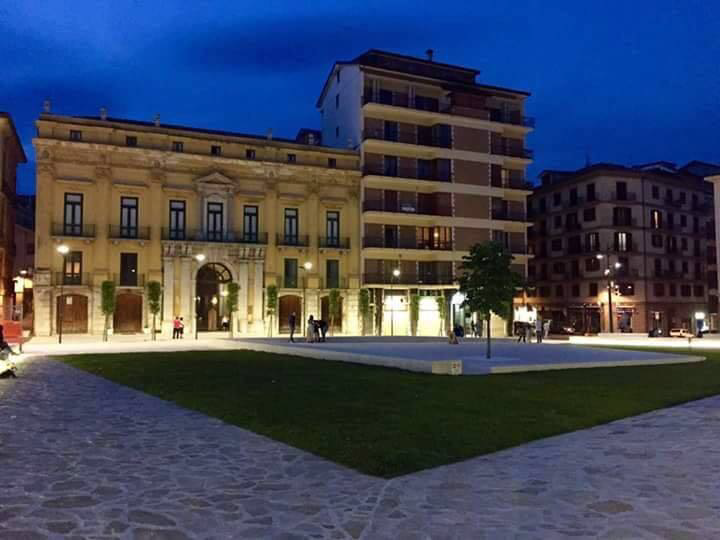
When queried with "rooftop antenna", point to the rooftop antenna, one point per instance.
{"points": [[46, 106], [429, 54]]}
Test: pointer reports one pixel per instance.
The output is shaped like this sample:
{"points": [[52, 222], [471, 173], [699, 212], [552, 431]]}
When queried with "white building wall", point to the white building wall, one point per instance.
{"points": [[347, 115]]}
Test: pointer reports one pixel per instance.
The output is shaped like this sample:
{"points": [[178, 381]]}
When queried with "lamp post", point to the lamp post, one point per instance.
{"points": [[609, 269], [200, 257], [307, 266], [396, 275], [63, 250]]}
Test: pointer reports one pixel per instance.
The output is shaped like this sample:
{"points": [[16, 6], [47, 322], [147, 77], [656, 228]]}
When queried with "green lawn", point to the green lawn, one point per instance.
{"points": [[386, 422]]}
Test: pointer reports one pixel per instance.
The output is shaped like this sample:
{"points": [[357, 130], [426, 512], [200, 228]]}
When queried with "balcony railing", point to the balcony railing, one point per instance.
{"points": [[632, 222], [199, 235], [62, 278], [630, 246], [509, 215], [336, 242], [399, 99], [401, 243], [400, 172], [614, 196], [292, 240], [71, 229], [122, 231], [335, 282], [503, 150], [511, 183], [408, 137], [129, 280], [406, 208], [409, 278]]}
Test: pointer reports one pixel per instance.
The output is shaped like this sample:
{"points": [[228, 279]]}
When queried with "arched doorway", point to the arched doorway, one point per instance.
{"points": [[210, 294], [325, 313], [73, 310], [290, 304], [128, 313]]}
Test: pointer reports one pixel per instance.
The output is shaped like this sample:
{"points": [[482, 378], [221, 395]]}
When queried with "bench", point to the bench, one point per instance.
{"points": [[13, 333]]}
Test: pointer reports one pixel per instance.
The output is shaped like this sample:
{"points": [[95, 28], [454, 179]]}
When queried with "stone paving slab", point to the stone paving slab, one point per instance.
{"points": [[82, 457]]}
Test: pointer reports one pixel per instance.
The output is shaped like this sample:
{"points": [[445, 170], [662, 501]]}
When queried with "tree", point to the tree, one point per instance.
{"points": [[442, 312], [232, 304], [271, 300], [363, 308], [107, 304], [488, 282], [414, 313], [334, 307], [154, 291]]}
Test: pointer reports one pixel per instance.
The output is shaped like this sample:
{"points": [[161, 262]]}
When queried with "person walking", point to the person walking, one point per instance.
{"points": [[310, 334], [521, 332], [539, 329], [181, 330], [473, 329], [546, 329], [176, 328], [292, 321]]}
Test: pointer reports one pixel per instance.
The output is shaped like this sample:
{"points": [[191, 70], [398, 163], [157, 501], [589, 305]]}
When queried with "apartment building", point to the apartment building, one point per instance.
{"points": [[443, 167], [635, 241], [193, 209], [11, 155]]}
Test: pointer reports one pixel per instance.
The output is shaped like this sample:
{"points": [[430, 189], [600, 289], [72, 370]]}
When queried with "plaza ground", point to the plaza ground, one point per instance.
{"points": [[84, 456]]}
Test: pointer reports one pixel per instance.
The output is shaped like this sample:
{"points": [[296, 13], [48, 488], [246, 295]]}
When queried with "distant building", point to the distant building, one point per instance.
{"points": [[443, 163], [24, 260], [11, 155], [641, 238]]}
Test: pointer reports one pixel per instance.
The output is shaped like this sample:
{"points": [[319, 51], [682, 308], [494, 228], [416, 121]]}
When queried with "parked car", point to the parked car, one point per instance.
{"points": [[681, 333]]}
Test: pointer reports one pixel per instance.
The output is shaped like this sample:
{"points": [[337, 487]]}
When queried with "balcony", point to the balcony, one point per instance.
{"points": [[432, 176], [334, 242], [121, 231], [398, 99], [407, 137], [129, 280], [504, 214], [625, 222], [503, 150], [409, 278], [511, 117], [406, 208], [335, 282], [511, 183], [401, 243], [74, 230], [64, 279], [614, 196], [668, 274], [627, 247], [199, 235], [296, 240]]}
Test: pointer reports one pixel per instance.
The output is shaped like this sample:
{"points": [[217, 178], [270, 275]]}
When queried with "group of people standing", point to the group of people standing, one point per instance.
{"points": [[525, 330], [316, 329], [178, 328]]}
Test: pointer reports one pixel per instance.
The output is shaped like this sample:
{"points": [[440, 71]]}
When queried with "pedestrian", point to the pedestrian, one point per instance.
{"points": [[546, 329], [176, 328], [225, 323], [521, 332], [181, 331], [310, 332], [529, 331], [539, 329], [322, 327], [292, 321], [473, 329]]}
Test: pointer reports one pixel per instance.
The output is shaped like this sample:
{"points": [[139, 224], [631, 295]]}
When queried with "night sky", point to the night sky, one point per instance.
{"points": [[625, 82]]}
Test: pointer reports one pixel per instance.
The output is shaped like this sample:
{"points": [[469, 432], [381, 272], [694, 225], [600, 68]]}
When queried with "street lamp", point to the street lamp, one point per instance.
{"points": [[396, 275], [200, 257], [610, 284], [63, 250], [307, 266]]}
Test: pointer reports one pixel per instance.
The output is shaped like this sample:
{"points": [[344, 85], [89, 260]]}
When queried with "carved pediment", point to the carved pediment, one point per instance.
{"points": [[215, 182]]}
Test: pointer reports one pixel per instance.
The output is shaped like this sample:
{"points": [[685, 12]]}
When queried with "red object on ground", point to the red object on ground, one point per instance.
{"points": [[13, 332]]}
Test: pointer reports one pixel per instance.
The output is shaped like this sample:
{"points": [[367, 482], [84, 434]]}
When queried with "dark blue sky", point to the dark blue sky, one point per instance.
{"points": [[627, 82]]}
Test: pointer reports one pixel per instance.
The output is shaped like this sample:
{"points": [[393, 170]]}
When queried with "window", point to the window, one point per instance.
{"points": [[657, 240], [685, 267], [655, 219], [332, 163], [683, 197], [573, 196], [130, 140], [575, 290], [590, 192], [292, 158], [683, 220], [558, 267], [249, 153], [622, 216], [337, 101], [291, 274], [332, 228], [557, 221], [73, 218], [589, 214], [216, 150], [683, 244], [575, 268], [672, 244], [128, 217], [592, 242], [177, 146], [672, 289], [556, 244], [291, 226], [557, 199], [543, 205], [128, 270], [592, 264], [623, 241], [72, 272], [390, 131], [214, 222], [699, 290], [621, 191], [659, 289], [571, 221], [390, 165], [658, 267], [75, 135], [593, 289], [337, 76], [332, 274], [626, 289], [559, 292], [176, 229], [250, 224], [655, 192], [685, 290], [574, 245]]}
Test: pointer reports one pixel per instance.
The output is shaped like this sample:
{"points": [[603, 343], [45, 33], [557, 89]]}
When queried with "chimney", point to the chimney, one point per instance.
{"points": [[157, 120], [269, 134], [103, 113], [311, 138], [46, 106], [430, 53]]}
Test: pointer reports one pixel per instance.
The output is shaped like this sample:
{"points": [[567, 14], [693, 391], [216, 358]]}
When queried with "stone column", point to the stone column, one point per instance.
{"points": [[257, 310], [168, 313], [187, 296], [243, 297], [351, 321]]}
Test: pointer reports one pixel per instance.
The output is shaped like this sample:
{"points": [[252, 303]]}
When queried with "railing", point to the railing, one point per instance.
{"points": [[122, 231], [408, 137], [132, 280], [336, 242], [632, 222], [405, 208], [292, 240], [631, 246], [508, 117], [70, 229], [625, 197], [61, 278], [511, 183], [336, 282], [502, 150], [409, 278], [509, 215], [404, 173], [199, 235], [400, 243], [398, 99], [669, 274]]}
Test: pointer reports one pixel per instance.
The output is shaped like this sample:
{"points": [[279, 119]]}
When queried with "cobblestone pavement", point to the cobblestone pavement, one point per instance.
{"points": [[81, 457]]}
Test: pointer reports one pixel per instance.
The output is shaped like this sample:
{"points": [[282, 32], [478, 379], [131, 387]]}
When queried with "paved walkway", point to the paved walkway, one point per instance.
{"points": [[84, 457]]}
